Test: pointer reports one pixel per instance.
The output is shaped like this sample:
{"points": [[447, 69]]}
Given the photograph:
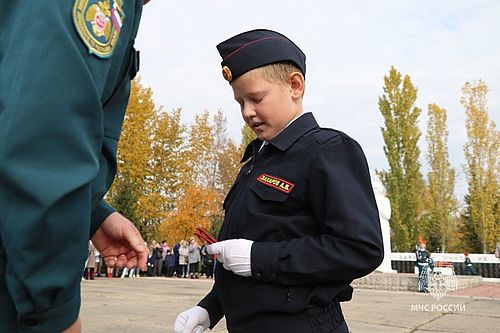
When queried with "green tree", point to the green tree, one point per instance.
{"points": [[125, 202], [441, 204], [470, 241], [482, 157], [403, 181]]}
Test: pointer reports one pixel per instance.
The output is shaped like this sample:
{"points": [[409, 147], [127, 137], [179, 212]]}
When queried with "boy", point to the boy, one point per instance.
{"points": [[170, 263], [301, 220]]}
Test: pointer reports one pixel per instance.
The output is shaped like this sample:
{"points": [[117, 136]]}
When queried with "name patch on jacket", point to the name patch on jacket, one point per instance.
{"points": [[276, 183], [98, 23]]}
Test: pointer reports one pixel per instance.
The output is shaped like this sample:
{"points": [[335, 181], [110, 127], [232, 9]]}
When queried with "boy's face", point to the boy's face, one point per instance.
{"points": [[266, 107]]}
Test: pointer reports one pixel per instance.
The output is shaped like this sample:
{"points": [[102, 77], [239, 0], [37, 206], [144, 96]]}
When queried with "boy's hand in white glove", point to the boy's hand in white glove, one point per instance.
{"points": [[194, 320], [234, 254]]}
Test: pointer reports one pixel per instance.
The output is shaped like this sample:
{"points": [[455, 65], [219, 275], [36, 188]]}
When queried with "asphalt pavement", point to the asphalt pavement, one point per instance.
{"points": [[148, 305]]}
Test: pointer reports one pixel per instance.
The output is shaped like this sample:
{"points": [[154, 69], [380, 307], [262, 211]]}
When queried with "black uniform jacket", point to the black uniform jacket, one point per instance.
{"points": [[307, 202]]}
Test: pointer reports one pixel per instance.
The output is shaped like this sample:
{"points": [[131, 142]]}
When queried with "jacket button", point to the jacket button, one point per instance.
{"points": [[30, 322], [258, 275], [272, 277]]}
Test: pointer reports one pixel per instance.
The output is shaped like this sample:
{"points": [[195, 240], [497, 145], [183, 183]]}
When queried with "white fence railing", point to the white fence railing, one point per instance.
{"points": [[450, 257]]}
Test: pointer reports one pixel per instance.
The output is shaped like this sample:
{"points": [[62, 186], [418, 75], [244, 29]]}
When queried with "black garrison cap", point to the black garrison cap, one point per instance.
{"points": [[257, 48]]}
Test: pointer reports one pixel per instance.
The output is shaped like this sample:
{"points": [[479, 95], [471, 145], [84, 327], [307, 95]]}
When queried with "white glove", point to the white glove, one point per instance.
{"points": [[194, 320], [234, 254]]}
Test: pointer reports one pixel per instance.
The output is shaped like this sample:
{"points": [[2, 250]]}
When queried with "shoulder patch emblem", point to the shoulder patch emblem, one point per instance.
{"points": [[276, 183], [98, 22]]}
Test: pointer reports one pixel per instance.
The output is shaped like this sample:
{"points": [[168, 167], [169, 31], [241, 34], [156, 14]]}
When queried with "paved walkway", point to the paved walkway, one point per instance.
{"points": [[150, 305], [491, 290]]}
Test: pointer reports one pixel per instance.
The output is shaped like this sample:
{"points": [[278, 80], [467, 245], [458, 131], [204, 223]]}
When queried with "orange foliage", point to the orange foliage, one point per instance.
{"points": [[196, 208]]}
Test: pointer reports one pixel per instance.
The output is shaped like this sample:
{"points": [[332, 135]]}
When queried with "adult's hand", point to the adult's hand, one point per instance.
{"points": [[120, 243]]}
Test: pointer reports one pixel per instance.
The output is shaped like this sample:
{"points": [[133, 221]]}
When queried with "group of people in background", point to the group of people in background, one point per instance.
{"points": [[186, 259]]}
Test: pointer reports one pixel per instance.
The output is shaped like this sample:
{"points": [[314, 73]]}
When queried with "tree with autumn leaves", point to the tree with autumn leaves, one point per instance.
{"points": [[440, 204], [198, 206], [403, 181], [207, 177], [482, 168], [428, 208], [133, 183], [171, 178]]}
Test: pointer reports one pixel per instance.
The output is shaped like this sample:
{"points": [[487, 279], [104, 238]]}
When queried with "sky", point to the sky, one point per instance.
{"points": [[350, 47]]}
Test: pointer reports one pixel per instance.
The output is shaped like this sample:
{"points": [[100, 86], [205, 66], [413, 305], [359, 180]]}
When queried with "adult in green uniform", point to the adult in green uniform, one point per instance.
{"points": [[65, 71]]}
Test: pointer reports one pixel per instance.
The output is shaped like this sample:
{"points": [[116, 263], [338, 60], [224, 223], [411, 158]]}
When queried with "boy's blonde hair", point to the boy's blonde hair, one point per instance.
{"points": [[278, 72]]}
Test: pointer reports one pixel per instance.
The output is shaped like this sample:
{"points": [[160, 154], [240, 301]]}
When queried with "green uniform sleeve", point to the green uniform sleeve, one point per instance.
{"points": [[99, 214], [55, 155]]}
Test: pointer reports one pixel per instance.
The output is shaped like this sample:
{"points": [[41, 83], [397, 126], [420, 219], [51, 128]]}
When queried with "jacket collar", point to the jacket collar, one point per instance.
{"points": [[294, 131], [287, 137]]}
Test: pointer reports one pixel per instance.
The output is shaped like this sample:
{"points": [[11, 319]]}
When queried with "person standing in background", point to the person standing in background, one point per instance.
{"points": [[175, 249], [184, 258], [158, 258], [90, 263], [422, 262], [150, 263], [193, 258], [98, 263], [169, 264], [165, 248], [469, 268], [208, 260]]}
